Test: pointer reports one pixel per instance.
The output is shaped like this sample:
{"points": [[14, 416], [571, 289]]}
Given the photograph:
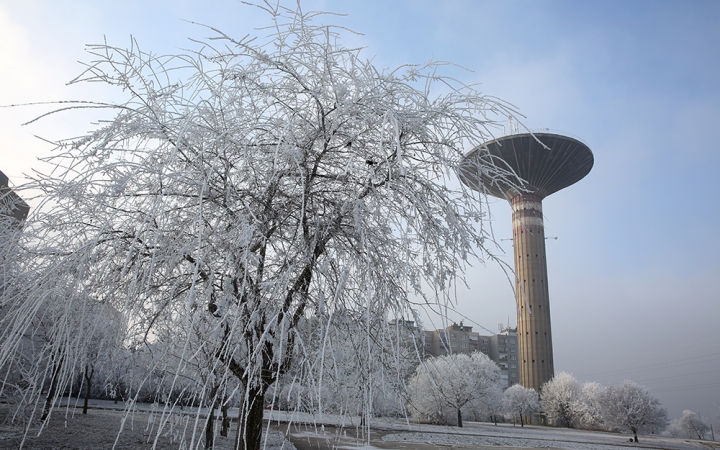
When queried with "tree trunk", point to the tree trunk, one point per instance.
{"points": [[225, 418], [53, 388], [459, 415], [89, 371], [209, 428], [210, 425], [522, 422], [249, 433]]}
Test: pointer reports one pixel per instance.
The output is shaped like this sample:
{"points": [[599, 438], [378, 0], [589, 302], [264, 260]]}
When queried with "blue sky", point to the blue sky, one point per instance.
{"points": [[633, 273]]}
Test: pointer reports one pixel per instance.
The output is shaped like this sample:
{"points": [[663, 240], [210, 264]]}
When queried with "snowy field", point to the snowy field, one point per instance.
{"points": [[342, 433], [69, 429]]}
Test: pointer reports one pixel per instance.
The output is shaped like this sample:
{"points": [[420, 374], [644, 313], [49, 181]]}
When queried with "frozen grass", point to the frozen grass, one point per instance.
{"points": [[477, 435], [99, 430], [397, 433]]}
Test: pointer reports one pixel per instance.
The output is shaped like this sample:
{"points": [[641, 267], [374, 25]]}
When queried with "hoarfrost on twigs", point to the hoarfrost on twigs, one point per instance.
{"points": [[255, 191]]}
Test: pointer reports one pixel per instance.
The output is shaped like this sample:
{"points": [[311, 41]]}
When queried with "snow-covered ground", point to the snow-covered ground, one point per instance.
{"points": [[69, 429], [345, 433]]}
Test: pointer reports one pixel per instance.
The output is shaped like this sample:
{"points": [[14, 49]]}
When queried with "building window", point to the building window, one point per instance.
{"points": [[454, 344], [512, 341], [463, 337], [452, 335], [513, 366], [513, 358], [513, 374], [464, 345], [485, 350], [484, 341], [512, 349], [502, 340]]}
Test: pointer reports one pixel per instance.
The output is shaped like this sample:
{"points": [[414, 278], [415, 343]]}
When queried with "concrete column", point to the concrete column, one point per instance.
{"points": [[533, 307]]}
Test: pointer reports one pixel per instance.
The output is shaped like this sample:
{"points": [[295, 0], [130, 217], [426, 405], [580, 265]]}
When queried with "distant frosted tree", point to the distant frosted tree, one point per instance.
{"points": [[590, 406], [561, 399], [493, 406], [253, 184], [105, 332], [443, 387], [690, 426], [629, 406], [520, 402], [351, 374]]}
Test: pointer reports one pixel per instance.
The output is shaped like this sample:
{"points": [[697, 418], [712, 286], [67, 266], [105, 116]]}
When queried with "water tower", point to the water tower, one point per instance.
{"points": [[541, 164]]}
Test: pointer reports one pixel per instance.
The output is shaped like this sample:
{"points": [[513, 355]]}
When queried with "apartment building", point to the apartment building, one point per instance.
{"points": [[502, 348], [504, 351], [11, 204]]}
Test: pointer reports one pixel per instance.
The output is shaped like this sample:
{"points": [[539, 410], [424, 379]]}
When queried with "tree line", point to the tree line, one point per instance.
{"points": [[446, 389]]}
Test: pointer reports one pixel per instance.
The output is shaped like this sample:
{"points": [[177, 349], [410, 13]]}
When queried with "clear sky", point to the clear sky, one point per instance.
{"points": [[633, 274]]}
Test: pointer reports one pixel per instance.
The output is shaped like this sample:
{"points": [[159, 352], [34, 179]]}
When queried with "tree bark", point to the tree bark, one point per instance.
{"points": [[210, 424], [249, 433], [459, 417], [225, 418], [209, 428], [53, 388], [89, 371]]}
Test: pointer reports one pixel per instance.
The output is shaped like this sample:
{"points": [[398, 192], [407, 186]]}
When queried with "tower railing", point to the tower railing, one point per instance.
{"points": [[517, 130]]}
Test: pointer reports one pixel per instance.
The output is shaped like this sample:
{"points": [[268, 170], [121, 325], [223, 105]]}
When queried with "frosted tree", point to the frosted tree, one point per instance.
{"points": [[362, 366], [52, 346], [493, 405], [590, 406], [561, 399], [629, 406], [690, 426], [252, 184], [444, 387], [196, 380], [105, 333], [521, 402], [354, 368]]}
